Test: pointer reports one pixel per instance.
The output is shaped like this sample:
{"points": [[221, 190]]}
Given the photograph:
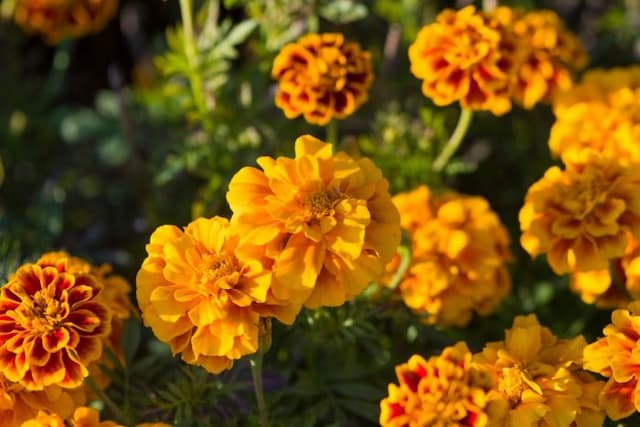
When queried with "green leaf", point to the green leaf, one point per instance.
{"points": [[114, 150], [240, 32], [343, 11], [131, 339], [367, 410], [358, 391]]}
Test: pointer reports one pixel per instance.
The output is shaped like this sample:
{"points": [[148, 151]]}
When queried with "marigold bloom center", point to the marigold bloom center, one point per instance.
{"points": [[215, 267], [588, 195], [42, 312], [332, 66], [513, 383], [322, 203]]}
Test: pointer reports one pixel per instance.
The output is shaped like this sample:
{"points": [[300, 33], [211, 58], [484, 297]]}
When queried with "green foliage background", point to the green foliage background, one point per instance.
{"points": [[103, 139]]}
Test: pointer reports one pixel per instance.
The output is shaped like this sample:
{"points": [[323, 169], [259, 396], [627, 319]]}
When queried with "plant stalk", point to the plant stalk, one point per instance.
{"points": [[454, 140], [256, 374], [332, 132]]}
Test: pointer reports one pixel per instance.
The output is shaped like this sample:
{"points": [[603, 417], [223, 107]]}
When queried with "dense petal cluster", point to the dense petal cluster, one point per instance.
{"points": [[616, 356], [204, 293], [459, 250], [52, 326], [56, 20], [539, 379], [462, 56], [18, 404], [602, 113], [550, 54], [326, 220], [82, 417], [581, 217], [322, 77], [615, 286], [446, 390]]}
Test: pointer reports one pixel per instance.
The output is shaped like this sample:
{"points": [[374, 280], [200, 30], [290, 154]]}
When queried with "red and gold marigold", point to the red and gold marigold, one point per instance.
{"points": [[446, 390], [325, 219], [322, 77], [204, 293], [57, 20], [52, 326]]}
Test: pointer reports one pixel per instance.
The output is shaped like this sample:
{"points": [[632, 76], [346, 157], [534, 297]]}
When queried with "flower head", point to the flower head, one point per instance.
{"points": [[322, 76], [459, 250], [82, 417], [326, 220], [465, 56], [446, 390], [204, 294], [550, 55], [56, 20], [616, 356], [52, 326], [539, 379], [581, 217]]}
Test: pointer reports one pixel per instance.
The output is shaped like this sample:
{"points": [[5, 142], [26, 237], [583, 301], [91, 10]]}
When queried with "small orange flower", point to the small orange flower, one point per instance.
{"points": [[322, 76], [326, 220], [56, 20], [616, 356], [204, 294], [52, 326], [550, 55], [459, 250], [539, 379], [18, 404], [465, 56], [82, 417], [581, 217], [447, 390]]}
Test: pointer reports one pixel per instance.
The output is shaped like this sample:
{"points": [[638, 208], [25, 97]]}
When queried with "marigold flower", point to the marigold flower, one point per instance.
{"points": [[326, 220], [602, 113], [550, 55], [322, 76], [18, 404], [539, 379], [459, 250], [446, 390], [580, 217], [82, 417], [56, 20], [204, 294], [465, 56], [52, 326], [607, 290], [615, 356]]}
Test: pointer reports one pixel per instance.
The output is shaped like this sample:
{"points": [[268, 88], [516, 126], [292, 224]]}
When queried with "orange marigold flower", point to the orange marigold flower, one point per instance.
{"points": [[602, 113], [550, 52], [459, 250], [326, 220], [82, 417], [57, 20], [18, 404], [204, 294], [581, 217], [465, 56], [447, 390], [615, 356], [614, 287], [539, 379], [322, 76], [52, 326]]}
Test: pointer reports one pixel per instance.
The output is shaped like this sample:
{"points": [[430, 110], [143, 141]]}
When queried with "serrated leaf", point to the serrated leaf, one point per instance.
{"points": [[343, 11], [240, 32]]}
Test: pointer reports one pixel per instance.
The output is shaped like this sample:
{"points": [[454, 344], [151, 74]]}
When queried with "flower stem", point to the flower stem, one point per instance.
{"points": [[454, 141], [405, 260], [332, 132], [256, 374]]}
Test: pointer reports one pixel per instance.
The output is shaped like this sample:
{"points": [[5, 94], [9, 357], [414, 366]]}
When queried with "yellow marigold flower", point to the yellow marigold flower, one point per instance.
{"points": [[580, 217], [82, 417], [204, 294], [18, 404], [607, 290], [539, 379], [550, 55], [459, 250], [326, 220], [322, 76], [464, 57], [447, 390], [52, 326], [615, 356], [602, 113], [56, 20]]}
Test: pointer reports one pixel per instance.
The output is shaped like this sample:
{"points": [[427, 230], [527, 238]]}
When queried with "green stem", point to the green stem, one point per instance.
{"points": [[405, 260], [191, 50], [454, 141], [332, 132], [256, 372], [108, 402]]}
